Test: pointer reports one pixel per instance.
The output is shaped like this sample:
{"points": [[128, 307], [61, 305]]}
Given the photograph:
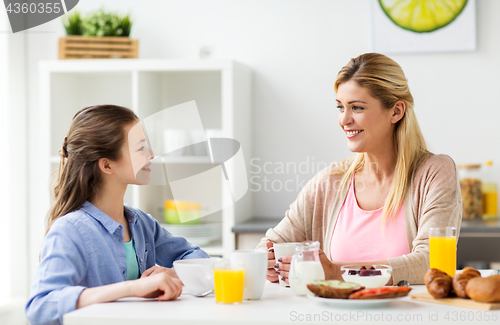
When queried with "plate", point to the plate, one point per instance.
{"points": [[352, 302]]}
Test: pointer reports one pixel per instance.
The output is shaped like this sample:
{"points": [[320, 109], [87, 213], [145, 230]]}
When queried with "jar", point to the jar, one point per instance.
{"points": [[490, 192], [305, 267], [470, 185], [182, 212]]}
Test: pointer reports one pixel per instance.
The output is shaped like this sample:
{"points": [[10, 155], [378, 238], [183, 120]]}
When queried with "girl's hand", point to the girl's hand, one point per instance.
{"points": [[271, 276], [159, 269], [160, 285]]}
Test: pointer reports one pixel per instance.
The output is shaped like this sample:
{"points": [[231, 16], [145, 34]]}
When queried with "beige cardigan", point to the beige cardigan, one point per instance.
{"points": [[434, 200]]}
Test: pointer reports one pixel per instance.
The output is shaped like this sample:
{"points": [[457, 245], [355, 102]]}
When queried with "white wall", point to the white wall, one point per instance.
{"points": [[5, 253], [295, 49], [14, 279]]}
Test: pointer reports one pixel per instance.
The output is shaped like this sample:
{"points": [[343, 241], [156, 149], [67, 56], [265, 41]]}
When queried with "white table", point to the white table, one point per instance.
{"points": [[277, 306]]}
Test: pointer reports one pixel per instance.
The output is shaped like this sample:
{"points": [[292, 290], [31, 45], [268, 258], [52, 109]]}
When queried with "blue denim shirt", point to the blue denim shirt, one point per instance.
{"points": [[85, 249]]}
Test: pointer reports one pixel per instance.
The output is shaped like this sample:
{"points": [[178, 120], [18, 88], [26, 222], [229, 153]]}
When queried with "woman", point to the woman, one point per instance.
{"points": [[378, 206], [94, 243]]}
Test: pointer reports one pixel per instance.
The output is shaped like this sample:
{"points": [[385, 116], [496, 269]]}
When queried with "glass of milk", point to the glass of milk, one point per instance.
{"points": [[305, 267]]}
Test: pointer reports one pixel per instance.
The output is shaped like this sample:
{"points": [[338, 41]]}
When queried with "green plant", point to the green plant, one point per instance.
{"points": [[98, 23], [73, 23], [126, 25]]}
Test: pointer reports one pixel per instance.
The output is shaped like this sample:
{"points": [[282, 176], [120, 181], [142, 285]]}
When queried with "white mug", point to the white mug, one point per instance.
{"points": [[280, 250], [255, 264]]}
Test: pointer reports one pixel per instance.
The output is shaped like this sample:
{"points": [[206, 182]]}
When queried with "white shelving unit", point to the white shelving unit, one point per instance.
{"points": [[221, 89]]}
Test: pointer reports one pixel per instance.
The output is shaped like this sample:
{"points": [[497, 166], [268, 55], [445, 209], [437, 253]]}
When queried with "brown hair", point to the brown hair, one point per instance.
{"points": [[386, 81], [95, 132]]}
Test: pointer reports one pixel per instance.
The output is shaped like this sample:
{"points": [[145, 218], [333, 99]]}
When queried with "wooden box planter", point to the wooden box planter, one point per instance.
{"points": [[92, 47]]}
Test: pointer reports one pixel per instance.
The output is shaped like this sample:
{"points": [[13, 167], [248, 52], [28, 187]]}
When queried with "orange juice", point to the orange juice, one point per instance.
{"points": [[443, 254], [228, 284]]}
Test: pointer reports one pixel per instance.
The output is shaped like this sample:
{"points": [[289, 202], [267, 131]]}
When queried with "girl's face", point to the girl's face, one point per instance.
{"points": [[134, 166], [367, 125]]}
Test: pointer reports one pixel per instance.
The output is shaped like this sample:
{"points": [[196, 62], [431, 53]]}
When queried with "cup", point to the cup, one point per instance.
{"points": [[443, 249], [197, 274], [255, 264], [280, 250], [229, 280]]}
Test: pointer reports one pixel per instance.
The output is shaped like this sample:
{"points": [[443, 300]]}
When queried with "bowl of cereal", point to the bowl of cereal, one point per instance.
{"points": [[369, 276]]}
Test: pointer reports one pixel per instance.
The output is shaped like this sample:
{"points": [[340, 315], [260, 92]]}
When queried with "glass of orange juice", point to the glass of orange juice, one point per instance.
{"points": [[229, 279], [443, 249]]}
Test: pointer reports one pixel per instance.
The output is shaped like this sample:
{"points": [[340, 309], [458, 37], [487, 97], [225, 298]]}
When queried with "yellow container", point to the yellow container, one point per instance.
{"points": [[490, 201], [443, 249], [228, 282], [182, 212], [490, 193]]}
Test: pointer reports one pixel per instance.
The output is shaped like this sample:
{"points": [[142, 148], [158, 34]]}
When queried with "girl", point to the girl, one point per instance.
{"points": [[94, 243], [376, 207]]}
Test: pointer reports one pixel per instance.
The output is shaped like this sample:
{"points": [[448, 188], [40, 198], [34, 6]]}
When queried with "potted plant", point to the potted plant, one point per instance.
{"points": [[99, 35]]}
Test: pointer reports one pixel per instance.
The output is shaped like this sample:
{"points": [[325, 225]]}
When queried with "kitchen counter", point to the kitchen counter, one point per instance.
{"points": [[470, 228], [277, 306], [256, 225], [480, 228]]}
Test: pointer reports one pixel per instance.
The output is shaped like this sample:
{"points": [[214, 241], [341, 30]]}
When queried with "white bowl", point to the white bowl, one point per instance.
{"points": [[351, 273], [196, 274]]}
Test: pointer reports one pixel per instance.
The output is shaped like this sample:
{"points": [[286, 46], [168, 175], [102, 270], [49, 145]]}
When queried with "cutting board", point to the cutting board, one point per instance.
{"points": [[455, 301]]}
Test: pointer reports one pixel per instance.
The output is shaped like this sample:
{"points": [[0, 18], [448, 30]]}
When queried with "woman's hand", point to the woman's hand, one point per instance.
{"points": [[332, 270], [159, 285], [283, 267], [272, 276], [277, 270], [159, 269]]}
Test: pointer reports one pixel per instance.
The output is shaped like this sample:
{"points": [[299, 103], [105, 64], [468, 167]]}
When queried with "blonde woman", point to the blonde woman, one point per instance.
{"points": [[377, 206]]}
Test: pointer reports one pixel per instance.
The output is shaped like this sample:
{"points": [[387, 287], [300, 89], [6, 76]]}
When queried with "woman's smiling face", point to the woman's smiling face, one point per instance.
{"points": [[367, 125]]}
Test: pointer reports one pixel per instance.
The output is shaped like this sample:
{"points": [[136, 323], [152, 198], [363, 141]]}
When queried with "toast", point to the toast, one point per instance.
{"points": [[333, 288]]}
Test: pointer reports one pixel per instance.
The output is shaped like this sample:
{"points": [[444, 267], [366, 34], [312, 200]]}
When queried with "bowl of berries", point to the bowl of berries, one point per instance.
{"points": [[370, 276]]}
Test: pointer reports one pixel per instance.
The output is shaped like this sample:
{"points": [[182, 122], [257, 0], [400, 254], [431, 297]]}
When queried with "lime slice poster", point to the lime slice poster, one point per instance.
{"points": [[423, 26]]}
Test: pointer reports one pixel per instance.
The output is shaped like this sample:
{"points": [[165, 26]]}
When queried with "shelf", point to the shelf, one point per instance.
{"points": [[256, 225], [214, 249], [222, 92], [183, 160], [165, 160]]}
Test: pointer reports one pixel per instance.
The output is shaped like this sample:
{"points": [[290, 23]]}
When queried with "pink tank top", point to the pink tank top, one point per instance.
{"points": [[358, 235]]}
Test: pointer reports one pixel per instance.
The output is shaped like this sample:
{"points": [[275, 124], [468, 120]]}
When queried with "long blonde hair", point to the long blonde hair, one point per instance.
{"points": [[386, 81], [95, 132]]}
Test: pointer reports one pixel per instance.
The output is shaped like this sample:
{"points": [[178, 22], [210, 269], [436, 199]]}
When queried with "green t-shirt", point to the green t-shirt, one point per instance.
{"points": [[132, 265]]}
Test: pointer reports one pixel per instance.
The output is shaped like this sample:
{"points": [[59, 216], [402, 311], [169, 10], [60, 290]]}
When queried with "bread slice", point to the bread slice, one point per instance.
{"points": [[333, 288]]}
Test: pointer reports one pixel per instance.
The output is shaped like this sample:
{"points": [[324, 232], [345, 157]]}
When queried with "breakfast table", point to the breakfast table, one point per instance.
{"points": [[278, 305]]}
